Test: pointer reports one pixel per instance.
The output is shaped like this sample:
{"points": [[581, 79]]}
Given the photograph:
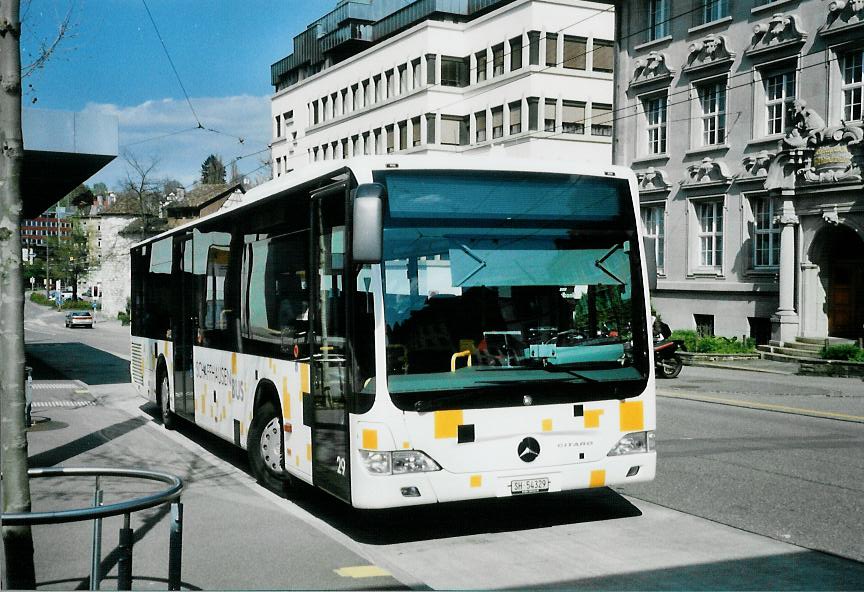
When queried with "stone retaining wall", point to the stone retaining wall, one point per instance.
{"points": [[832, 368]]}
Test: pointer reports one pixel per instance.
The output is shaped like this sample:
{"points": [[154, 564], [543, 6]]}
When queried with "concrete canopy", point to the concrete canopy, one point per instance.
{"points": [[62, 149]]}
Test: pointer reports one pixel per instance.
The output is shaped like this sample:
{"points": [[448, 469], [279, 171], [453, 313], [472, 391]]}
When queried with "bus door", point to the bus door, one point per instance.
{"points": [[183, 326], [329, 380]]}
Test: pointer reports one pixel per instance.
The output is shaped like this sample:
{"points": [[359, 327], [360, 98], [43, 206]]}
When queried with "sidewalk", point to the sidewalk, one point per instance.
{"points": [[236, 534], [767, 366]]}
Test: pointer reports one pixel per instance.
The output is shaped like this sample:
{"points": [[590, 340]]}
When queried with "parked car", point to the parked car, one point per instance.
{"points": [[79, 318]]}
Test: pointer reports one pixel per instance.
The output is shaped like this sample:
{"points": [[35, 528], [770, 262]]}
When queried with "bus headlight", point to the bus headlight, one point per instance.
{"points": [[399, 462], [634, 443]]}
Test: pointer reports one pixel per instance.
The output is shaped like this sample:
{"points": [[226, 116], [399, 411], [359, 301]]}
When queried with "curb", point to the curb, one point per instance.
{"points": [[744, 368]]}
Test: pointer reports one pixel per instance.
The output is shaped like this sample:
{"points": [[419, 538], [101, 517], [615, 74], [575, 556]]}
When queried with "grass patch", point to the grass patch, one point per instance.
{"points": [[845, 352], [693, 342], [40, 298]]}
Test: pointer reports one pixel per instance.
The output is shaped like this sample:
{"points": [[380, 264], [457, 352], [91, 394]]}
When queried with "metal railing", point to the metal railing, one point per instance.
{"points": [[99, 511]]}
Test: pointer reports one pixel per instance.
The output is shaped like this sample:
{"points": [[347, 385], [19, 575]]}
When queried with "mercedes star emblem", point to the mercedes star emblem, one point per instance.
{"points": [[528, 449]]}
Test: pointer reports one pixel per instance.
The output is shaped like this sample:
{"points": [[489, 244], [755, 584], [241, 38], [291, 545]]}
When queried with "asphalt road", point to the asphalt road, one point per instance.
{"points": [[745, 498]]}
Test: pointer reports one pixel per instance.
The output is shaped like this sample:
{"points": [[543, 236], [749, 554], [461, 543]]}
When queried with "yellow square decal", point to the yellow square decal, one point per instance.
{"points": [[476, 480], [308, 452], [304, 378], [286, 399], [447, 423], [592, 418], [632, 416], [370, 439], [547, 425], [598, 479], [233, 363]]}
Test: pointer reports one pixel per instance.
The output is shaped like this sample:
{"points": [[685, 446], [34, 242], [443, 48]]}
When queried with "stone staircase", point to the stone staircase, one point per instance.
{"points": [[802, 349]]}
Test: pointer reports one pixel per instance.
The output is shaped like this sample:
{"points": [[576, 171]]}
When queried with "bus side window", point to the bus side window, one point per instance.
{"points": [[211, 258]]}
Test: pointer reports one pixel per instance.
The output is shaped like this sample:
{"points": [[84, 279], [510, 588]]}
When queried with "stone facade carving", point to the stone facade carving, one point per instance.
{"points": [[707, 171], [813, 152], [781, 31], [757, 164], [830, 215], [842, 16], [708, 51], [653, 180], [650, 68]]}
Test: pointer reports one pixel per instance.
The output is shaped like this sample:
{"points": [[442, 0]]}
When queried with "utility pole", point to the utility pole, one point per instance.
{"points": [[19, 571]]}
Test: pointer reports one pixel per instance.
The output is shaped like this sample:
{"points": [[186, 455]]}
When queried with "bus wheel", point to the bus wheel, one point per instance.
{"points": [[265, 449], [164, 398]]}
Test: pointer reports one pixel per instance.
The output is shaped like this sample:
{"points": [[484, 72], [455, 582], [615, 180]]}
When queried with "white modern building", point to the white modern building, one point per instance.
{"points": [[526, 77]]}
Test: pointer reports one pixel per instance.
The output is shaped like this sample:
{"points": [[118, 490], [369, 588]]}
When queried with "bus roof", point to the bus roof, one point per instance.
{"points": [[362, 168]]}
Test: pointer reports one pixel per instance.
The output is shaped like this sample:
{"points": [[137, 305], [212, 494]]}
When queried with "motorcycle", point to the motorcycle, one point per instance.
{"points": [[667, 362]]}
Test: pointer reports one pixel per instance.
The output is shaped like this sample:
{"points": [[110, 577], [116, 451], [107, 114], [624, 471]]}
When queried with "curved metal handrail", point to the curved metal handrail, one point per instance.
{"points": [[91, 513]]}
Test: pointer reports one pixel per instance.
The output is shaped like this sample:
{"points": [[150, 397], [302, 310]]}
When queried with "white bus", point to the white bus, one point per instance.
{"points": [[408, 330]]}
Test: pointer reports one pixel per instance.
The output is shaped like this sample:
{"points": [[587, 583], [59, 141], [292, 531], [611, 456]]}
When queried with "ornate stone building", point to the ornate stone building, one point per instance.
{"points": [[743, 122]]}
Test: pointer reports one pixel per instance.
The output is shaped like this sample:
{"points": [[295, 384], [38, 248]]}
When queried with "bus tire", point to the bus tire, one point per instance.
{"points": [[264, 447], [163, 396]]}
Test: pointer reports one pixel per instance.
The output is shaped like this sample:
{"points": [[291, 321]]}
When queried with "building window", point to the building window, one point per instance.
{"points": [[549, 115], [278, 126], [356, 92], [515, 117], [480, 126], [454, 130], [415, 131], [654, 226], [288, 118], [709, 216], [403, 135], [454, 71], [766, 234], [533, 113], [852, 64], [714, 10], [601, 120], [515, 53], [575, 50], [315, 114], [779, 95], [658, 19], [430, 69], [367, 143], [391, 139], [498, 60], [712, 102], [497, 122], [355, 145], [415, 70], [551, 49], [403, 79], [534, 48], [603, 55], [391, 83], [655, 115], [344, 103], [573, 117], [430, 128], [704, 324], [481, 65]]}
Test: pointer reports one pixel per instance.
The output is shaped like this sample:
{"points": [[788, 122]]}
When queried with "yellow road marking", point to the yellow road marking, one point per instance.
{"points": [[766, 407], [362, 571]]}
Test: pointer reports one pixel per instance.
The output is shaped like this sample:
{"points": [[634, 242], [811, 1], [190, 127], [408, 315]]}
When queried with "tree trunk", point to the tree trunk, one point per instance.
{"points": [[19, 572]]}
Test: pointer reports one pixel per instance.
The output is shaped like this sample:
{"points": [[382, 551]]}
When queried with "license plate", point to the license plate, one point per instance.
{"points": [[529, 486]]}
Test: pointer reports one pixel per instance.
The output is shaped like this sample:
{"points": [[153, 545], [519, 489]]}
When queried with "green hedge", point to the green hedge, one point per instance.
{"points": [[40, 298], [849, 352], [77, 305], [713, 345]]}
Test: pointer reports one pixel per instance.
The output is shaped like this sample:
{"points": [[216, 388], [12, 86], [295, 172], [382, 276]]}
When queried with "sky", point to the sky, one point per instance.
{"points": [[111, 61]]}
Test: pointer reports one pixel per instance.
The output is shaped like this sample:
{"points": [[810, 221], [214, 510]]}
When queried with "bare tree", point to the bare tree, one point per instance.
{"points": [[19, 572], [143, 189]]}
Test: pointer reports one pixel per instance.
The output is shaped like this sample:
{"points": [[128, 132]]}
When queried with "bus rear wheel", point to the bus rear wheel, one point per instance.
{"points": [[264, 447], [164, 397]]}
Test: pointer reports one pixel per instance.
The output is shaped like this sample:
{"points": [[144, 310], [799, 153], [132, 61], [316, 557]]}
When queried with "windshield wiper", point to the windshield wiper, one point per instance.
{"points": [[599, 264], [481, 263]]}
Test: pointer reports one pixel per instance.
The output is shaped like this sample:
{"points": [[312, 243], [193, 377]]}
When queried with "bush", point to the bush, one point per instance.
{"points": [[40, 298], [123, 317], [846, 352], [713, 345], [76, 305]]}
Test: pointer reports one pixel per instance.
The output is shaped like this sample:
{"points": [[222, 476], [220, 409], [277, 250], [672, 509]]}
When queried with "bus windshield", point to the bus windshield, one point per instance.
{"points": [[514, 280]]}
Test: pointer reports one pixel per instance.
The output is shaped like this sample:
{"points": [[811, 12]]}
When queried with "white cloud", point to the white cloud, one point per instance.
{"points": [[165, 130]]}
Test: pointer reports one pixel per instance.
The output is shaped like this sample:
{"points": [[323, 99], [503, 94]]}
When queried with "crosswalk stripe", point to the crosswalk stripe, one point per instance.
{"points": [[53, 386], [362, 571], [71, 404]]}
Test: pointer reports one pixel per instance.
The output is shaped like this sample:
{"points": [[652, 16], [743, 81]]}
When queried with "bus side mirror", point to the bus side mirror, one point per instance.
{"points": [[368, 232], [649, 247]]}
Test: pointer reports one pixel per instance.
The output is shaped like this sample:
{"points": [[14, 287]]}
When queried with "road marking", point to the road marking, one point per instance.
{"points": [[54, 386], [70, 404], [766, 407], [362, 571]]}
